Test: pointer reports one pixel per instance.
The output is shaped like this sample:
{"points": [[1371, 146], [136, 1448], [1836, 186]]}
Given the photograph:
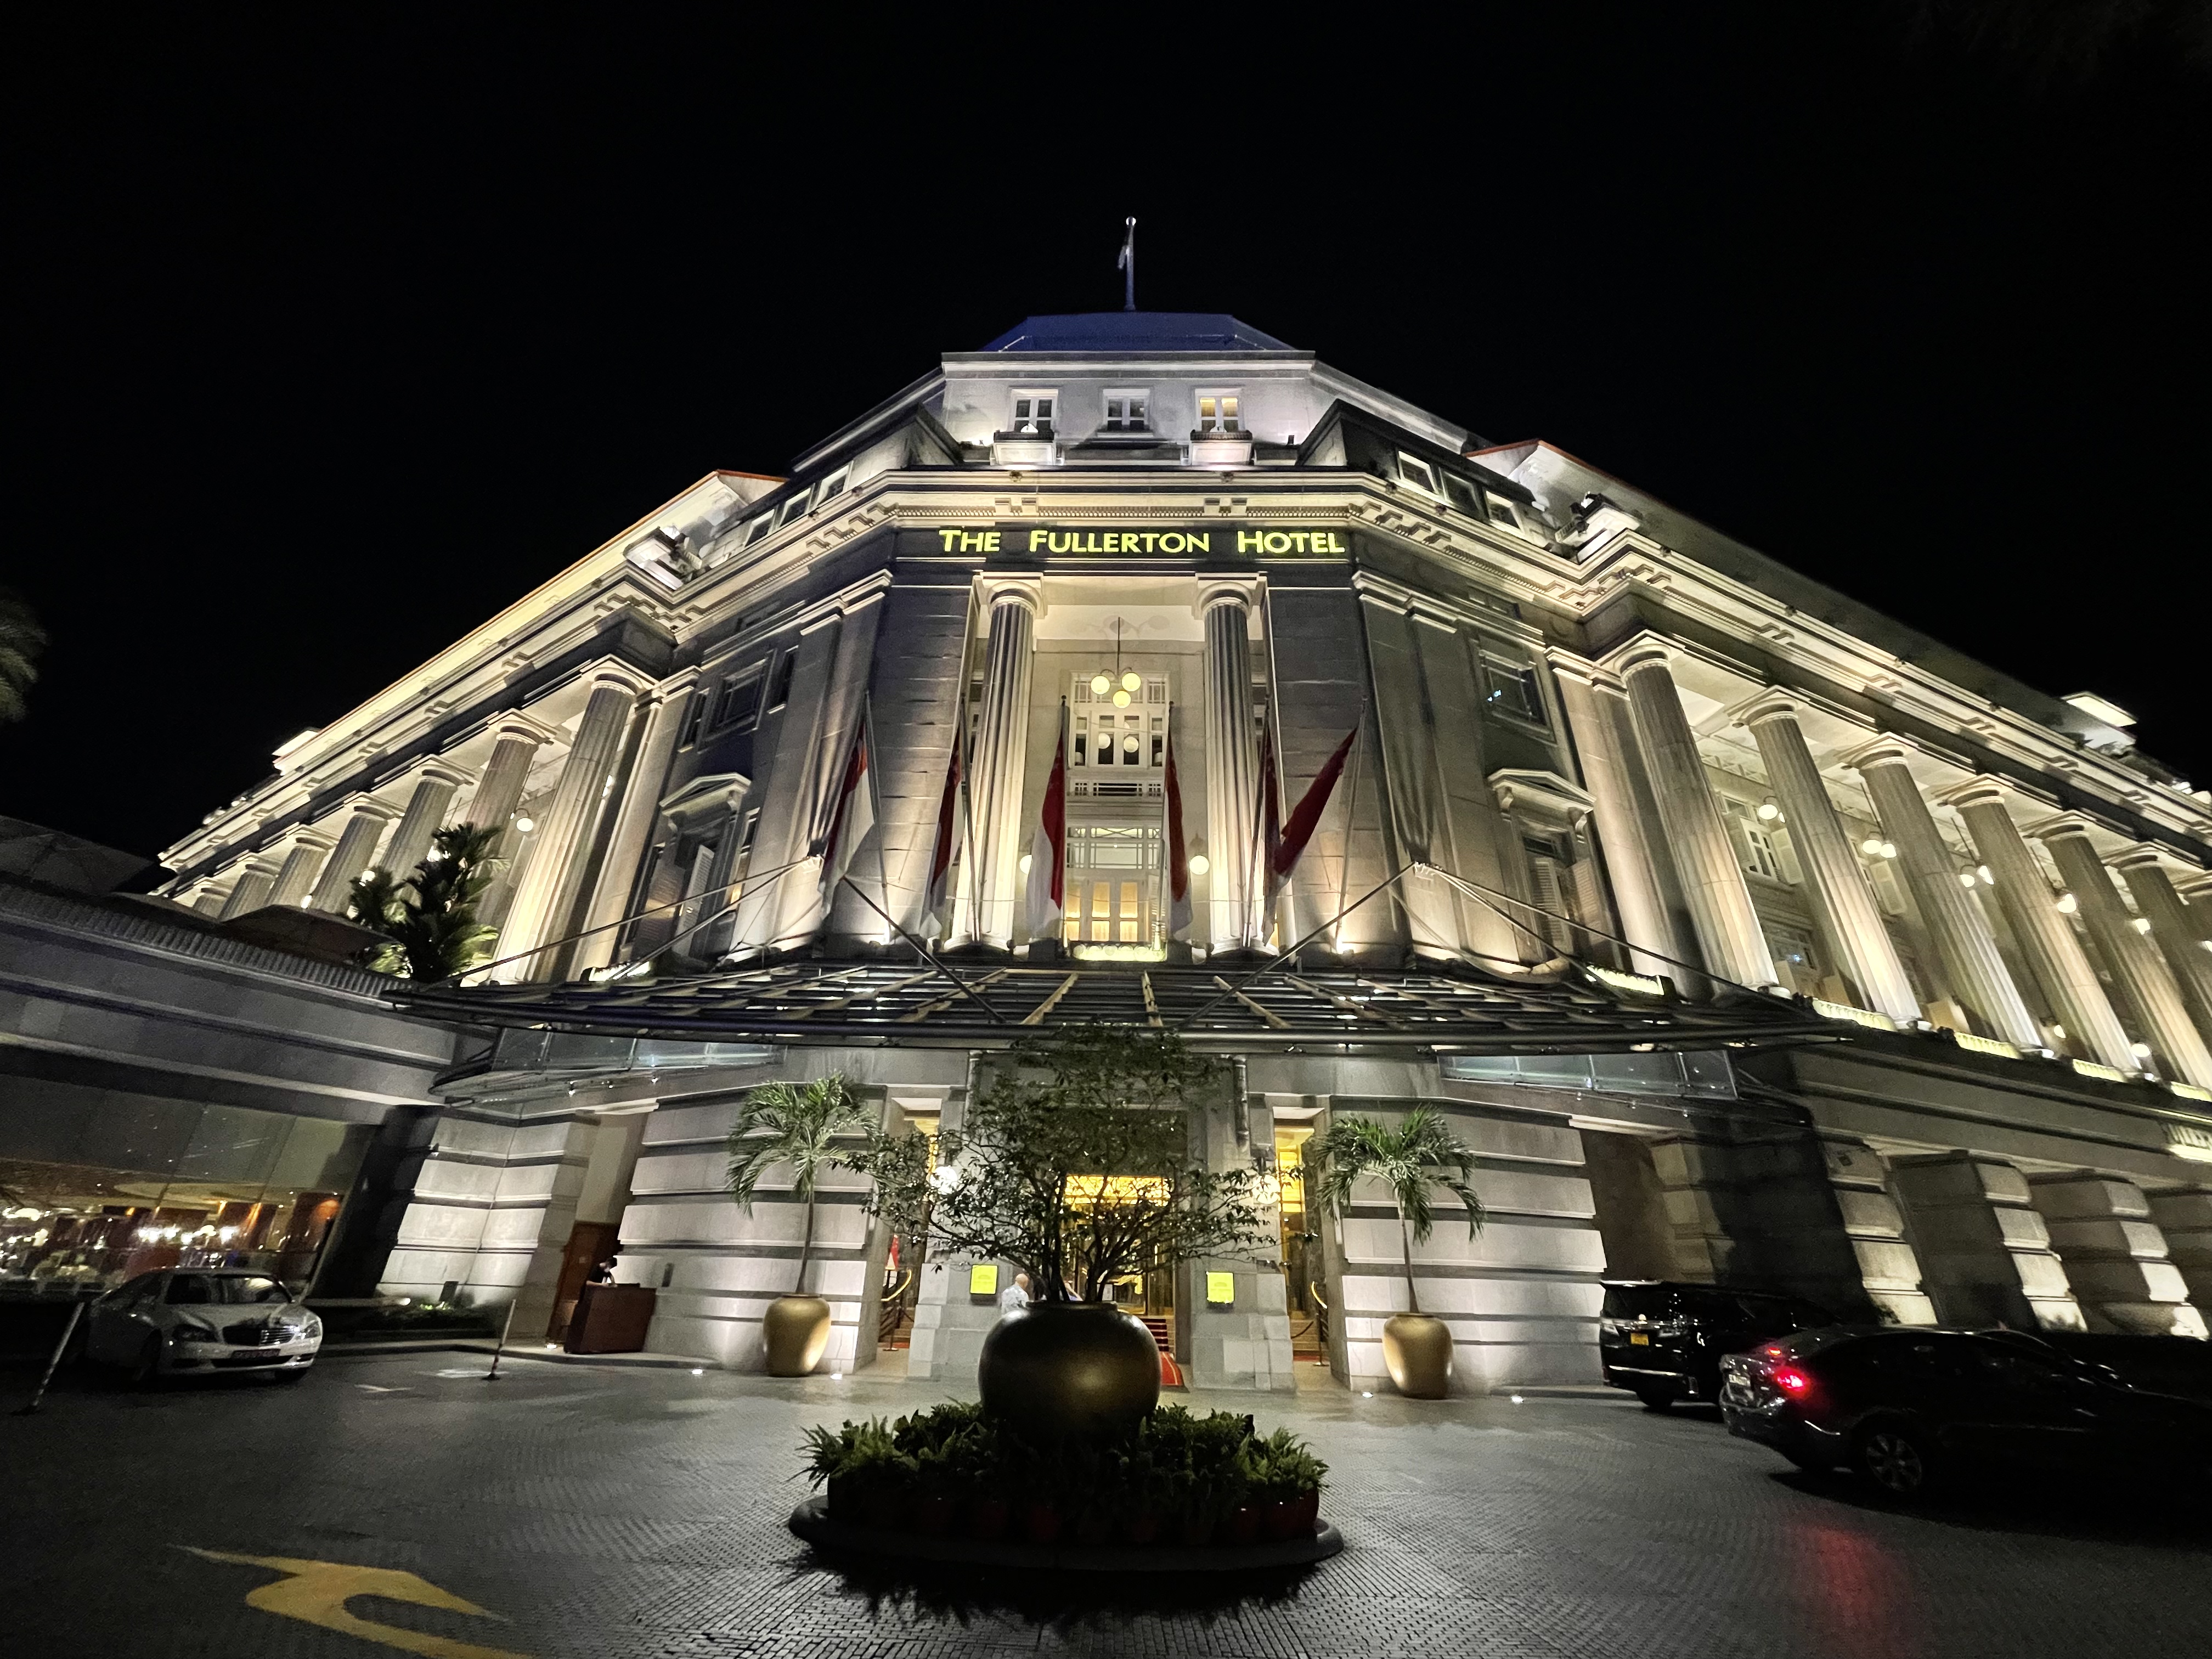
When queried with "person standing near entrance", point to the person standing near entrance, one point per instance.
{"points": [[1015, 1297]]}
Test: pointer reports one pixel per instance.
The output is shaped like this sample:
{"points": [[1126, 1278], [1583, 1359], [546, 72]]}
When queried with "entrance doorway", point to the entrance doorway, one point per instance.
{"points": [[1302, 1265], [1113, 885], [589, 1242]]}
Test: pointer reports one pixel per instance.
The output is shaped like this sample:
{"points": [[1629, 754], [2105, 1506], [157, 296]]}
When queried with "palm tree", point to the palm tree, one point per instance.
{"points": [[1420, 1154], [798, 1124], [21, 639], [431, 917]]}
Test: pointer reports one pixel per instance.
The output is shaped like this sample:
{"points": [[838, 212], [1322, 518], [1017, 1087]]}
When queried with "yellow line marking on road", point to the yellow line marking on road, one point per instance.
{"points": [[316, 1592]]}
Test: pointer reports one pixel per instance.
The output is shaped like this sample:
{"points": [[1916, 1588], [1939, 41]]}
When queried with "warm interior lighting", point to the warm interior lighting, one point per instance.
{"points": [[526, 825], [1967, 878], [1129, 743], [2067, 904], [2140, 1050], [1871, 846], [1120, 699], [1769, 811], [1024, 863], [1983, 870], [2140, 924], [1888, 849], [1199, 864], [1100, 685], [1132, 680]]}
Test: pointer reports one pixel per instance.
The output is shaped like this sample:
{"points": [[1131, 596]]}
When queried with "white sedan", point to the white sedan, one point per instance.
{"points": [[208, 1320]]}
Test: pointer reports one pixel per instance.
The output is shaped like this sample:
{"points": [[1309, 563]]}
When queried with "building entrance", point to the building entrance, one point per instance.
{"points": [[1114, 884]]}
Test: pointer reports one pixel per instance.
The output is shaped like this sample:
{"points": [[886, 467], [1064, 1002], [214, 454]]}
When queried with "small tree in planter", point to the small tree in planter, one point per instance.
{"points": [[1419, 1154], [799, 1124], [1075, 1164], [430, 916]]}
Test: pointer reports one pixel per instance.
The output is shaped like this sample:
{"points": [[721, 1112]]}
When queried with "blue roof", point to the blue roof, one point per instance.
{"points": [[1136, 331]]}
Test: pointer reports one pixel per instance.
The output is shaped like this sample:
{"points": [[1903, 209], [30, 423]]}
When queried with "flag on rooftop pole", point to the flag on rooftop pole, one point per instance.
{"points": [[937, 898], [1048, 846], [855, 813], [1283, 851], [1178, 868]]}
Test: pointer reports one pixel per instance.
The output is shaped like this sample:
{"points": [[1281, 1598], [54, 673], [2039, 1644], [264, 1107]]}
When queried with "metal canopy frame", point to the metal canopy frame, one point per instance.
{"points": [[1281, 1008]]}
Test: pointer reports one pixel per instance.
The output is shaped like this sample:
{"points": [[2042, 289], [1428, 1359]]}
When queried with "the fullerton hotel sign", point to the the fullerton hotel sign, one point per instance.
{"points": [[1078, 541]]}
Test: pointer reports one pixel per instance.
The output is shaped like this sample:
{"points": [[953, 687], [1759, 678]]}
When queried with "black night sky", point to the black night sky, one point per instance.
{"points": [[330, 339]]}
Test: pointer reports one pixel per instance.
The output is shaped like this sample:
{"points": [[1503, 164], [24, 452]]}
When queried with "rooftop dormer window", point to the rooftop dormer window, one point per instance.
{"points": [[1128, 411], [1220, 412], [793, 508], [1033, 414], [1420, 474]]}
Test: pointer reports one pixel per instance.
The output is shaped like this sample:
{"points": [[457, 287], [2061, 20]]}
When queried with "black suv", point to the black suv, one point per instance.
{"points": [[1906, 1408], [1664, 1341]]}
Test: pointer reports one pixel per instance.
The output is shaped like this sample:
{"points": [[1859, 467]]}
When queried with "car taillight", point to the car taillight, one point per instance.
{"points": [[1791, 1381]]}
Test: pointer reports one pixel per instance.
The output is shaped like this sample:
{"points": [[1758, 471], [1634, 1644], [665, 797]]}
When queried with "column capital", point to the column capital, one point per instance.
{"points": [[1228, 590], [1582, 671], [1884, 751], [437, 769], [2138, 857], [1771, 704], [1644, 654], [515, 723], [618, 676], [2063, 824], [368, 806], [315, 841], [1980, 791], [1027, 592]]}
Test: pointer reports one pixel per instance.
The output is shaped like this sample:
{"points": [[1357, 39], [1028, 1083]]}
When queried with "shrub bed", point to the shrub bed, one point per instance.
{"points": [[1179, 1480]]}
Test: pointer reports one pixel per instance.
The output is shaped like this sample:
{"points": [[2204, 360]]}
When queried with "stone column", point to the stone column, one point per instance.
{"points": [[425, 816], [1712, 881], [309, 848], [1598, 717], [2197, 895], [1232, 764], [2115, 1255], [1001, 746], [356, 847], [1955, 922], [2133, 959], [2043, 934], [639, 812], [1842, 903], [2179, 932], [1984, 1250], [252, 891], [506, 774], [546, 896]]}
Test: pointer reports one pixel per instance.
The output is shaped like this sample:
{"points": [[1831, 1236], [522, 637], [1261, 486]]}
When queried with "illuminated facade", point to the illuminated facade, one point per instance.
{"points": [[1587, 730]]}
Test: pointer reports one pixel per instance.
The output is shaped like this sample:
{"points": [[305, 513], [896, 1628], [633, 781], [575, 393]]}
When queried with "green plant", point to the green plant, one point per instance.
{"points": [[21, 640], [799, 1124], [1075, 1163], [1420, 1154], [431, 917]]}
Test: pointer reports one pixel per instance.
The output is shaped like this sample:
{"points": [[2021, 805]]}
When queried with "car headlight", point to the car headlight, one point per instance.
{"points": [[188, 1332]]}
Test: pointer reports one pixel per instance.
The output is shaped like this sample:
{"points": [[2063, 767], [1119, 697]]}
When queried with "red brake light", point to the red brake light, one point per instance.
{"points": [[1772, 1353], [1791, 1381]]}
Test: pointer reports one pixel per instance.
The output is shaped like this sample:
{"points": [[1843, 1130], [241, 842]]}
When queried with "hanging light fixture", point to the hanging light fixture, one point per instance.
{"points": [[1768, 812], [1121, 683]]}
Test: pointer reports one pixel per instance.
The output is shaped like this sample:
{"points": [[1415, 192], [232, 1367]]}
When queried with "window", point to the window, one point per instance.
{"points": [[1754, 842], [1420, 474], [758, 528], [1464, 496], [1220, 412], [780, 688], [1033, 414], [695, 717], [1513, 689], [793, 508], [1503, 513], [1126, 411], [739, 701], [832, 485]]}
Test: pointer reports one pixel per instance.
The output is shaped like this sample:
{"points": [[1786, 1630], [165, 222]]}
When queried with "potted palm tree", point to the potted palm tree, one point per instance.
{"points": [[799, 1124], [1419, 1154]]}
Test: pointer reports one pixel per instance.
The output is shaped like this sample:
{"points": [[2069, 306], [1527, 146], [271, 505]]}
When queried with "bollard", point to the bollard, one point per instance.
{"points": [[492, 1376], [54, 1364]]}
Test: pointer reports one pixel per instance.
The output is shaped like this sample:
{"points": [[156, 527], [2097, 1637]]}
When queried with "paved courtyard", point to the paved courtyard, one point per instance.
{"points": [[592, 1511]]}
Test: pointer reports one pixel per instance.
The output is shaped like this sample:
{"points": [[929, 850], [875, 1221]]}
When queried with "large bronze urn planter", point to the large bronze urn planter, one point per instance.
{"points": [[796, 1330], [1418, 1351], [1055, 1368]]}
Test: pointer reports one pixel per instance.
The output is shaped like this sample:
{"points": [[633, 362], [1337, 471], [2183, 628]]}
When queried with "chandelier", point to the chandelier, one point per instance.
{"points": [[1122, 683]]}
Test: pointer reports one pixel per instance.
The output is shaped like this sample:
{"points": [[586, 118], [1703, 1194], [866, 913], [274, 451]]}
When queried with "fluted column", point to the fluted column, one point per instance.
{"points": [[1712, 881], [309, 848], [2134, 960], [506, 774], [545, 898], [639, 813], [2179, 932], [426, 814], [356, 847], [1842, 903], [1967, 950], [2197, 895], [252, 891], [1598, 717], [2043, 934], [1001, 749], [1232, 764]]}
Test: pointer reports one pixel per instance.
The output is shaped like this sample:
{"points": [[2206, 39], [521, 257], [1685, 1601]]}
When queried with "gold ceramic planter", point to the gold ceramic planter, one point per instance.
{"points": [[1418, 1351], [796, 1330], [1054, 1369]]}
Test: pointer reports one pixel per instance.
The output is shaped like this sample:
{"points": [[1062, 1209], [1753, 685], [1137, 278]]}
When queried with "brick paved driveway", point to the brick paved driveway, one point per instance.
{"points": [[604, 1512]]}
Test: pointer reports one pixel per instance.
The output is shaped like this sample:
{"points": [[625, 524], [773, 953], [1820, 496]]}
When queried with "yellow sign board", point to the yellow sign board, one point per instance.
{"points": [[983, 1279], [1220, 1290]]}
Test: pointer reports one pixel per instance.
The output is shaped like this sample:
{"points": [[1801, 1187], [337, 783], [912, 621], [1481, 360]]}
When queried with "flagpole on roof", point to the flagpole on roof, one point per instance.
{"points": [[1128, 266]]}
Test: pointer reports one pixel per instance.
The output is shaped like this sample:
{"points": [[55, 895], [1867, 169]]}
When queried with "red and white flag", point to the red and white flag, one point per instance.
{"points": [[1267, 831], [1284, 850], [937, 898], [1048, 847], [854, 814], [1178, 865]]}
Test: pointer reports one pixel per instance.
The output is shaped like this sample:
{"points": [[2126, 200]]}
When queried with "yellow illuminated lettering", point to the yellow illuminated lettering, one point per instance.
{"points": [[1199, 541], [991, 541], [1277, 542], [951, 538], [1248, 541], [1036, 539]]}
